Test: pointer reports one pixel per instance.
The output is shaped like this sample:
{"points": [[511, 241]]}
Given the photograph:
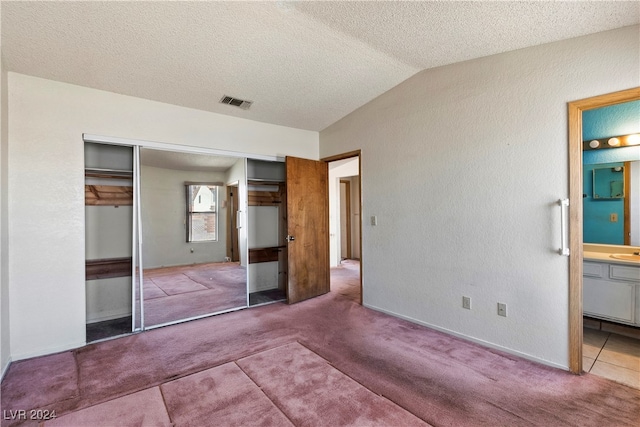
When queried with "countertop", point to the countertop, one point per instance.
{"points": [[602, 253], [606, 257]]}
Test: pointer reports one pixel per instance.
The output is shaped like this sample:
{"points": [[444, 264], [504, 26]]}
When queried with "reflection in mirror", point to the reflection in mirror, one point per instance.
{"points": [[192, 252], [610, 210], [608, 182], [611, 174]]}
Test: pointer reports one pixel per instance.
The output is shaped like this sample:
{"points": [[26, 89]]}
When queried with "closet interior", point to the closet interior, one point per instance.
{"points": [[108, 240], [267, 221]]}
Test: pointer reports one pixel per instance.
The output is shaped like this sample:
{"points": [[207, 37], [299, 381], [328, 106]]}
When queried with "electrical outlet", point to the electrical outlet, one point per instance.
{"points": [[466, 303], [502, 309]]}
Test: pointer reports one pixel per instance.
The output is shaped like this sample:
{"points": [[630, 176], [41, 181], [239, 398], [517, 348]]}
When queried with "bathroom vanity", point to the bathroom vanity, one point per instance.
{"points": [[611, 283]]}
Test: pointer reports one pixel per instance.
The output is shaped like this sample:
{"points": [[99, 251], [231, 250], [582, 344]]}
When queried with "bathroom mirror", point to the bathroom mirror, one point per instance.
{"points": [[611, 168], [192, 248]]}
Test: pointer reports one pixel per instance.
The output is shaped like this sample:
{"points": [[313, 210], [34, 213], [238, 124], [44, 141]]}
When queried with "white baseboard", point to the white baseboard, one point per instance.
{"points": [[469, 338], [108, 315], [48, 351]]}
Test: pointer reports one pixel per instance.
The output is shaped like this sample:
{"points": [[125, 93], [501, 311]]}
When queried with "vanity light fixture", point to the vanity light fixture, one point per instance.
{"points": [[612, 142], [633, 139]]}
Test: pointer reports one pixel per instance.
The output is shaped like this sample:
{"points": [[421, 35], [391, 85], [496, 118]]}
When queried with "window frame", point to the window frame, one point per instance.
{"points": [[190, 187]]}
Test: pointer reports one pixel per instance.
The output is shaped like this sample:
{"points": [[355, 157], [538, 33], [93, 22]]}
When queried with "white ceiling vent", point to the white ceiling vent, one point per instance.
{"points": [[241, 103]]}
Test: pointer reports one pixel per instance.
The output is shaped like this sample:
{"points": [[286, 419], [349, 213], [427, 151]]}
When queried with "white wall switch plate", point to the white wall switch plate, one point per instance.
{"points": [[502, 309], [466, 303]]}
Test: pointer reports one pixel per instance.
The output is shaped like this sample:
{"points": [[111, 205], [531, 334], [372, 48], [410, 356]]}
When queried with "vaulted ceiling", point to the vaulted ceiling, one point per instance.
{"points": [[303, 64]]}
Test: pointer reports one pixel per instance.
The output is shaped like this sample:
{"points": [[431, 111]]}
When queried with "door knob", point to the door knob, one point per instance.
{"points": [[290, 238]]}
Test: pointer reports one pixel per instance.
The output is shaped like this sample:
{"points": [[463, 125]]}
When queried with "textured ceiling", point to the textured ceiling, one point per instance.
{"points": [[304, 64]]}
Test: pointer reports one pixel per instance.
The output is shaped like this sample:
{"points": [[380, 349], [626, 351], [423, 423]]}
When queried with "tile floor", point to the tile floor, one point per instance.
{"points": [[612, 356]]}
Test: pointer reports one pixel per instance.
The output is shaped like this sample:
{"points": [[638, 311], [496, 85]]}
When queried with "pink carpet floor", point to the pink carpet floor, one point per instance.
{"points": [[323, 362]]}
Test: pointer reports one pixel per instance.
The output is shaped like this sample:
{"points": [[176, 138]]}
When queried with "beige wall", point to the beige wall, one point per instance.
{"points": [[463, 165], [46, 153]]}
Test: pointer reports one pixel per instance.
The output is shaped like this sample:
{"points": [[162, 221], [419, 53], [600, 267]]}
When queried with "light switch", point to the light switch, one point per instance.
{"points": [[374, 220], [502, 309], [613, 217]]}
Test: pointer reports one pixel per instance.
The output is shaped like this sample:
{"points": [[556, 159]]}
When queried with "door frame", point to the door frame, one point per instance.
{"points": [[350, 155], [575, 110], [233, 251], [347, 208]]}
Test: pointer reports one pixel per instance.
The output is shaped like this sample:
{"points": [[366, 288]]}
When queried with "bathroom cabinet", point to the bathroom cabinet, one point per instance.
{"points": [[611, 291]]}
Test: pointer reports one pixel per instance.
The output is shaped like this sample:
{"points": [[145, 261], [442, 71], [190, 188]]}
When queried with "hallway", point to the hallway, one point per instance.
{"points": [[345, 279]]}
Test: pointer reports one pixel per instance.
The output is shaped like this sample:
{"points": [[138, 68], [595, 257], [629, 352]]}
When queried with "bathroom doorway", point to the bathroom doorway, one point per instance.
{"points": [[576, 215]]}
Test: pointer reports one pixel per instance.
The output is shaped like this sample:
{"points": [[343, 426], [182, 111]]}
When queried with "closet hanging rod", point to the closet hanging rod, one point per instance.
{"points": [[99, 172]]}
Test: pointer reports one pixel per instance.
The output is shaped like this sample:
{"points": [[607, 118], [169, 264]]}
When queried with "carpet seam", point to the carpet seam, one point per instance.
{"points": [[156, 285], [164, 402], [75, 361], [364, 386], [235, 362]]}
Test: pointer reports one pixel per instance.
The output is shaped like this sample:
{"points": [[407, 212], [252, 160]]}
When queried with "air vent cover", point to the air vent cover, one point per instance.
{"points": [[241, 103]]}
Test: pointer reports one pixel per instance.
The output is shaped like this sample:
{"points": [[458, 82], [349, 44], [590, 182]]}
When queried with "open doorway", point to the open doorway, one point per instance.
{"points": [[594, 266], [345, 226]]}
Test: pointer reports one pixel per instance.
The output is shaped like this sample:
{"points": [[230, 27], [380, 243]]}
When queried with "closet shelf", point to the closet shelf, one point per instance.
{"points": [[108, 173], [108, 195], [270, 254], [107, 268]]}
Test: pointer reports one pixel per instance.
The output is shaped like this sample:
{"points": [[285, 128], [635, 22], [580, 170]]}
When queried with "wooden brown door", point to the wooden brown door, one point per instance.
{"points": [[307, 229]]}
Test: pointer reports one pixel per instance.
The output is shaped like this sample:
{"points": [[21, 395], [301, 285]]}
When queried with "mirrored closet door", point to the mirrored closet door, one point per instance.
{"points": [[194, 251]]}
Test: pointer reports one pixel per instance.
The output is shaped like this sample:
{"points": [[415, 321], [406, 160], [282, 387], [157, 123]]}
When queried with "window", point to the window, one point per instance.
{"points": [[202, 212]]}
